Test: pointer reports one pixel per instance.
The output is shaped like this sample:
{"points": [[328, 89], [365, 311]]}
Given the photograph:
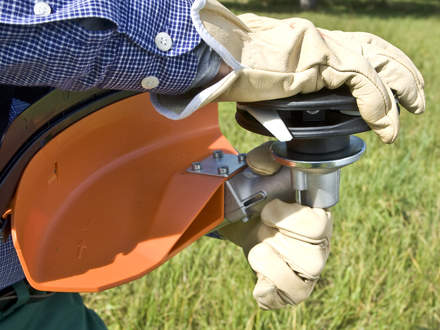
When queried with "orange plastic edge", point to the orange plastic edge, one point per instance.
{"points": [[109, 199]]}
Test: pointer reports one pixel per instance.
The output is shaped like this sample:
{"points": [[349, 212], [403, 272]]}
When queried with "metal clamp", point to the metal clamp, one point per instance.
{"points": [[315, 177], [218, 164], [247, 192]]}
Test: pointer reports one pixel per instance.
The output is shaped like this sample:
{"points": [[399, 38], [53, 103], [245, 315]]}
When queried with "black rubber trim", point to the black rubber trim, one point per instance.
{"points": [[6, 93]]}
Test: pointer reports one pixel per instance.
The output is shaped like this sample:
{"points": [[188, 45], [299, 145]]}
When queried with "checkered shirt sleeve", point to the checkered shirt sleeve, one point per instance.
{"points": [[10, 269], [56, 50]]}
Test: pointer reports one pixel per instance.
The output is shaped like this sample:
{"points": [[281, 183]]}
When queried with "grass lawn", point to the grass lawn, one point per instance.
{"points": [[384, 267]]}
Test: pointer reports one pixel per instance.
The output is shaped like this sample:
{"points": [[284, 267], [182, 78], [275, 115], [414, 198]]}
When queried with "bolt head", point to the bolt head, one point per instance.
{"points": [[217, 154], [223, 170], [196, 166], [241, 157]]}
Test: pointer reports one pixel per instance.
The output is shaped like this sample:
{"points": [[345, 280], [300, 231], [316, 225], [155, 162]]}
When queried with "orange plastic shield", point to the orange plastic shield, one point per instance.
{"points": [[109, 199]]}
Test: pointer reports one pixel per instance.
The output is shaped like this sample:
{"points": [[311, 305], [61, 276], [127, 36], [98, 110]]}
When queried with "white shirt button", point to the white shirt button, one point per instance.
{"points": [[163, 41], [150, 82], [42, 9]]}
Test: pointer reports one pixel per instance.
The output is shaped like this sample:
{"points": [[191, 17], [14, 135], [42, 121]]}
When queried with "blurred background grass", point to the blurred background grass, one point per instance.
{"points": [[384, 268]]}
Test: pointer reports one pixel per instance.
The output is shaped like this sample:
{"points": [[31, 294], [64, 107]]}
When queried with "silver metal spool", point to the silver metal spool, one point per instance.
{"points": [[315, 178]]}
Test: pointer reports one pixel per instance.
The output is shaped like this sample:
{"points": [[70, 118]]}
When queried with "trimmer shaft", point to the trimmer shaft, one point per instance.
{"points": [[315, 177]]}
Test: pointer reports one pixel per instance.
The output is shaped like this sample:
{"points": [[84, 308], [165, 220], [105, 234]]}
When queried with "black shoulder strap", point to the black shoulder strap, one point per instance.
{"points": [[6, 94]]}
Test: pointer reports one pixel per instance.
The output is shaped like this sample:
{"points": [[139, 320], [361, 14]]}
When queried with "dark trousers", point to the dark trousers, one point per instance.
{"points": [[32, 309]]}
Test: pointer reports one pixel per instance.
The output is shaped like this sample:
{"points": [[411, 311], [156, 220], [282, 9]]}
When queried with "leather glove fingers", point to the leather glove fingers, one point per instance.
{"points": [[287, 247], [395, 69], [260, 160], [289, 263], [303, 235], [277, 283]]}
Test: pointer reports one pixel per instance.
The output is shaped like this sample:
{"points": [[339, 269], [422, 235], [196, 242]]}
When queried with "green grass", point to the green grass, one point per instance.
{"points": [[384, 268]]}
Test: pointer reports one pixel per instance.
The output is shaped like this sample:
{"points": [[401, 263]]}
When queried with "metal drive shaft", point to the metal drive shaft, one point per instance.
{"points": [[315, 176], [305, 178]]}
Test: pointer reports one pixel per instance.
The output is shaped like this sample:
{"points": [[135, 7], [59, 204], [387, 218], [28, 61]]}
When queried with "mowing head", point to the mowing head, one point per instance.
{"points": [[315, 139]]}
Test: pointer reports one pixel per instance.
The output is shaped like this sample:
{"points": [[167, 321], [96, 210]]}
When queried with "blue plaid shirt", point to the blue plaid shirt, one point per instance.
{"points": [[94, 43], [59, 50]]}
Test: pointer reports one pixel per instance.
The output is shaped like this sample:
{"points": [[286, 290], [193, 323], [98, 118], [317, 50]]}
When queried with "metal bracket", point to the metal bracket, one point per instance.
{"points": [[247, 192], [218, 164]]}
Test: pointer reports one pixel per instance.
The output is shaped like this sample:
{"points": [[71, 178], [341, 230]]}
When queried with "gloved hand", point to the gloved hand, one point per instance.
{"points": [[274, 58], [287, 246]]}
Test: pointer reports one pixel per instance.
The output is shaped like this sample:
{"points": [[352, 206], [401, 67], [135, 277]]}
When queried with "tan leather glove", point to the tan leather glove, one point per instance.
{"points": [[274, 58], [392, 65], [287, 247]]}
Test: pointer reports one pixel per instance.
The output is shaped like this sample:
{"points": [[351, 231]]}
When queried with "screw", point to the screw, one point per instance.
{"points": [[217, 154], [196, 166], [223, 170], [241, 158]]}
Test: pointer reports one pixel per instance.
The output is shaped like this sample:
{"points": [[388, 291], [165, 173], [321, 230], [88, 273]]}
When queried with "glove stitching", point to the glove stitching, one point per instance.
{"points": [[335, 67], [414, 76], [300, 237], [370, 80], [392, 49], [262, 170], [300, 272], [283, 296], [259, 170], [345, 71], [382, 44]]}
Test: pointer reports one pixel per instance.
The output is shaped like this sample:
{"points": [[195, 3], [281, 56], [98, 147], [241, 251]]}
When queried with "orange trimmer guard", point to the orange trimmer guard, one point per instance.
{"points": [[108, 199]]}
